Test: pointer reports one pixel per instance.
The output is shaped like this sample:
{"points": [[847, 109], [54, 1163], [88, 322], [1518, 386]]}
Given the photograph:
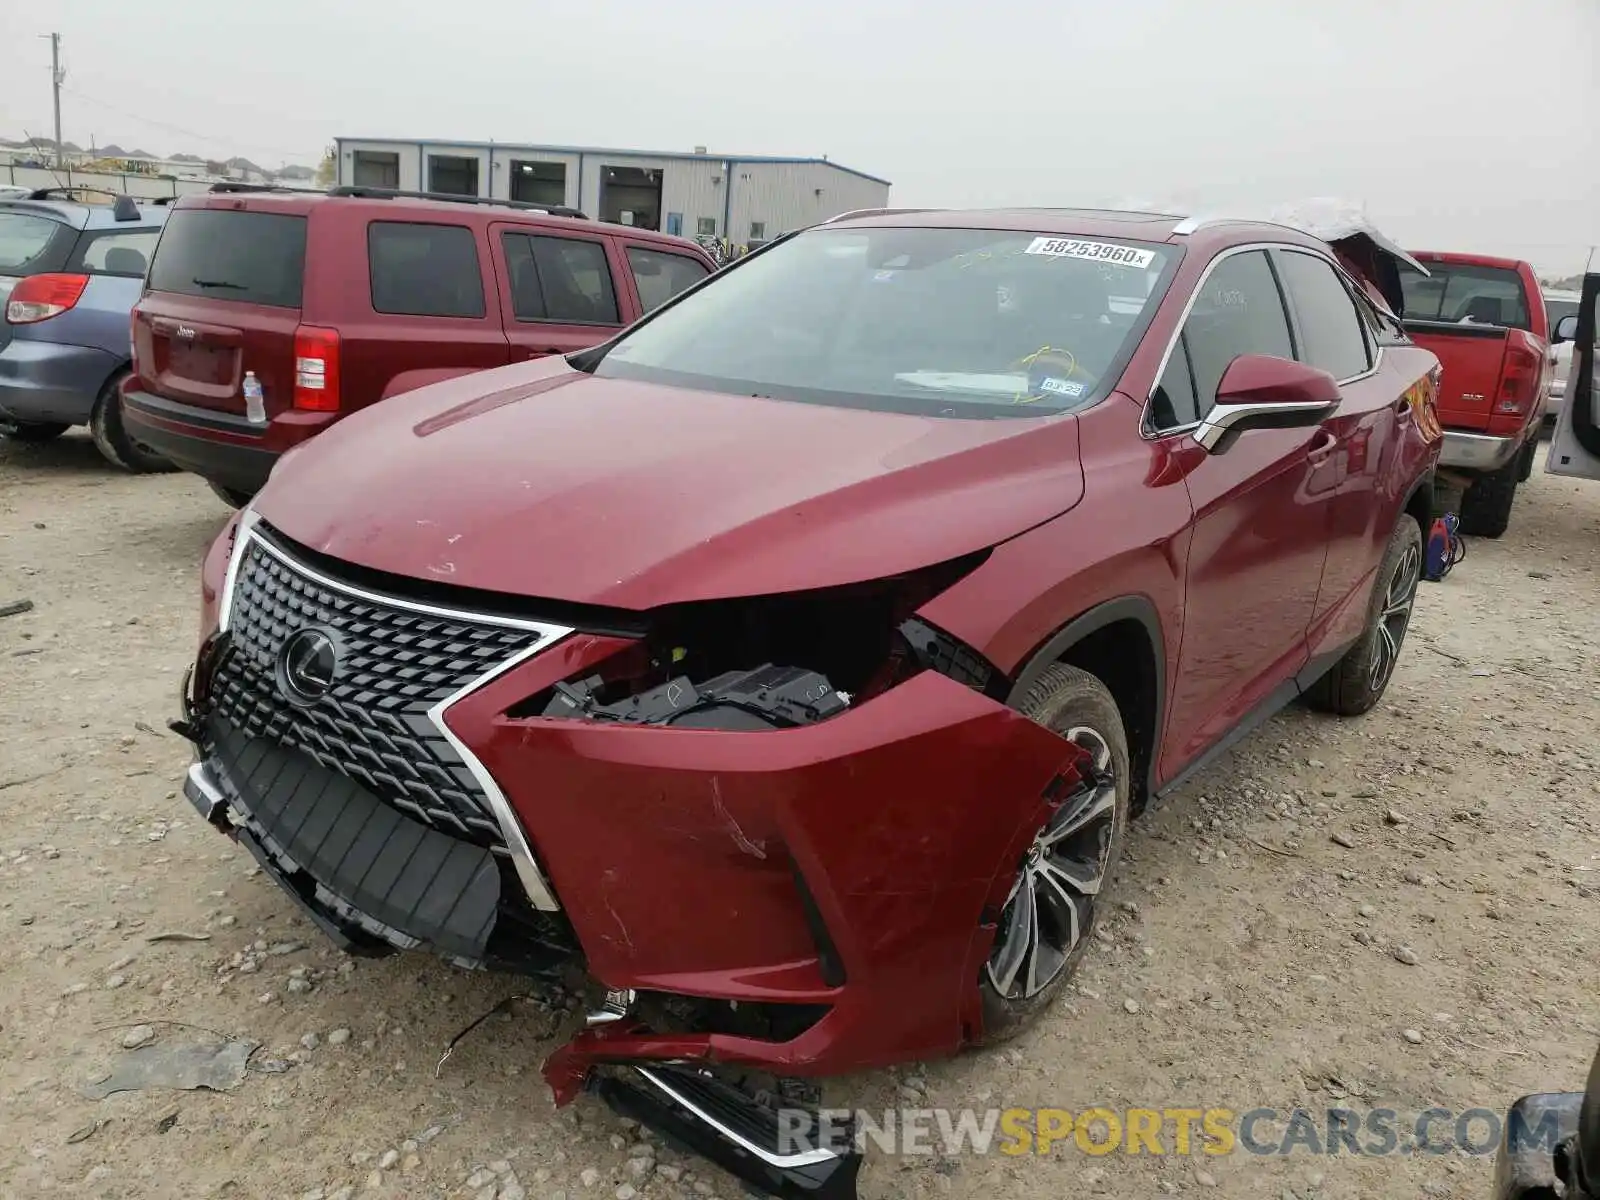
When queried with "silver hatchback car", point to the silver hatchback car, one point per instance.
{"points": [[70, 274]]}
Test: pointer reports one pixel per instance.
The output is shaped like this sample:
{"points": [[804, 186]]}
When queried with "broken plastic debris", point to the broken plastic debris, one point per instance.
{"points": [[188, 1066]]}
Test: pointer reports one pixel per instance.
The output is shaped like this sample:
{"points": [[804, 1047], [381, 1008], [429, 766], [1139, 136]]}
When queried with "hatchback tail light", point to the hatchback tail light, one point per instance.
{"points": [[316, 369], [40, 297], [1519, 378]]}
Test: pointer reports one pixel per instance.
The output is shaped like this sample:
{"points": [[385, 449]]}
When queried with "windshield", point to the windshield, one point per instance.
{"points": [[952, 322]]}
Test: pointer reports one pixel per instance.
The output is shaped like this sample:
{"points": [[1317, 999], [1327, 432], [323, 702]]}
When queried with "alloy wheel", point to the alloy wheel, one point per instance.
{"points": [[1395, 618], [1052, 901]]}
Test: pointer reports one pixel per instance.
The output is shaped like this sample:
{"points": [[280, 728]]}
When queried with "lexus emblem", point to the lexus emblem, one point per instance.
{"points": [[307, 664]]}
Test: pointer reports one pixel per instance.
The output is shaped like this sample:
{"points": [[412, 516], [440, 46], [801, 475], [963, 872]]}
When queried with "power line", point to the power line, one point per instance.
{"points": [[231, 143]]}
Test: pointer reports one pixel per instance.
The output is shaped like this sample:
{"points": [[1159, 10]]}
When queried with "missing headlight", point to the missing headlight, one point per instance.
{"points": [[773, 662], [769, 697]]}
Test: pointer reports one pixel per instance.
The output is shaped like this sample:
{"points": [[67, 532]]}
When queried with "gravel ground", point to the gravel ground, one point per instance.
{"points": [[1398, 911]]}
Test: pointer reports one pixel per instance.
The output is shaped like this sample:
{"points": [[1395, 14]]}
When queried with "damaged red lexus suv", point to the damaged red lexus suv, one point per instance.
{"points": [[790, 664]]}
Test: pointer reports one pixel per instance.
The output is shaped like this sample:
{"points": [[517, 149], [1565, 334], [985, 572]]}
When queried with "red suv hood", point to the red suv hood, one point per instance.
{"points": [[538, 480]]}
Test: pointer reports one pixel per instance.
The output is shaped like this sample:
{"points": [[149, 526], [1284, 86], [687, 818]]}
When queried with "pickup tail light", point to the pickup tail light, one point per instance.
{"points": [[1519, 378], [316, 369], [40, 297]]}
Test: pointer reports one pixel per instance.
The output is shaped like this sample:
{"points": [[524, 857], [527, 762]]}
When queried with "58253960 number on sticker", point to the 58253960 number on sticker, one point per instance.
{"points": [[1106, 252]]}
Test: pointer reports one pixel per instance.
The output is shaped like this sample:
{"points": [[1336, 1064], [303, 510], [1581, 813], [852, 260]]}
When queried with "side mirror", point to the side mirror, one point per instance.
{"points": [[1262, 391], [1566, 330]]}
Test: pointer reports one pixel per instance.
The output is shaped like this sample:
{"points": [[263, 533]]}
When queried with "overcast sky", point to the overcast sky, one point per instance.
{"points": [[1462, 124]]}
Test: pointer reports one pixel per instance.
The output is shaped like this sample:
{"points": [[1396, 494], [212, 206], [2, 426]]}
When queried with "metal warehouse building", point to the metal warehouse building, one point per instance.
{"points": [[743, 197]]}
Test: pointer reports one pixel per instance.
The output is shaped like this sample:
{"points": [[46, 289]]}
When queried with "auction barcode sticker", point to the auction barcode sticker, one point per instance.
{"points": [[1106, 252]]}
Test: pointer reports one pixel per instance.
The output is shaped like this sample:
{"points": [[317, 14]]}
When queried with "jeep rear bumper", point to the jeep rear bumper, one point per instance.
{"points": [[222, 448]]}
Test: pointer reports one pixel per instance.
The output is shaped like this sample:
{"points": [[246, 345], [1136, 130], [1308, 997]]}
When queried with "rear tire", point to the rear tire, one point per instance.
{"points": [[31, 433], [1525, 462], [111, 436], [1486, 508], [1066, 869], [1356, 683]]}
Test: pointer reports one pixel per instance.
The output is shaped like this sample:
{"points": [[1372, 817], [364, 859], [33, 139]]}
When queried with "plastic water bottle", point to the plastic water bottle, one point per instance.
{"points": [[255, 403]]}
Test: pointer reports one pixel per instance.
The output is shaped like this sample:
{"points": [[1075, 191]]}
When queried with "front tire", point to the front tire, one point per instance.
{"points": [[232, 497], [1486, 508], [31, 433], [112, 439], [1355, 683], [1043, 931]]}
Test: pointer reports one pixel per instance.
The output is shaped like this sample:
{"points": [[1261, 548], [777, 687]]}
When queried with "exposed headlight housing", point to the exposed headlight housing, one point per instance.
{"points": [[774, 662]]}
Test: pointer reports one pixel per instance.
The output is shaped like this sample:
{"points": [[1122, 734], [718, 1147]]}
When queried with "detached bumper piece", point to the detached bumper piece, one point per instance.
{"points": [[360, 865], [719, 1122], [1535, 1161]]}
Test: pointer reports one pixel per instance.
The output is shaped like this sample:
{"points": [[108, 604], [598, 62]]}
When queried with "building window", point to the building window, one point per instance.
{"points": [[376, 168], [424, 270], [539, 182], [758, 230], [707, 227], [453, 175]]}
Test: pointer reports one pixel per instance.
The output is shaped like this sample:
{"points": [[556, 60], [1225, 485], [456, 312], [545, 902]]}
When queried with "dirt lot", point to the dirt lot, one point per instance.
{"points": [[1441, 951]]}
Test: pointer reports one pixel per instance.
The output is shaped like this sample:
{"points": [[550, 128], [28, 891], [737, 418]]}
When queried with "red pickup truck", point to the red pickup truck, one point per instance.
{"points": [[1485, 320]]}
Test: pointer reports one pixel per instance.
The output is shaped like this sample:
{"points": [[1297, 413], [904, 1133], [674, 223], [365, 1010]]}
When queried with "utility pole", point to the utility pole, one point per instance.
{"points": [[56, 76]]}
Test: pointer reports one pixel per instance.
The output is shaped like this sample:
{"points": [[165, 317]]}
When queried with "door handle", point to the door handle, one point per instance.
{"points": [[1325, 445]]}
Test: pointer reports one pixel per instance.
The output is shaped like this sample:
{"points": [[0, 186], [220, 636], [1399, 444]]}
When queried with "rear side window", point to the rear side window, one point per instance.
{"points": [[659, 277], [1329, 325], [1238, 311], [31, 243], [126, 253], [1460, 294], [560, 279], [255, 257], [422, 270]]}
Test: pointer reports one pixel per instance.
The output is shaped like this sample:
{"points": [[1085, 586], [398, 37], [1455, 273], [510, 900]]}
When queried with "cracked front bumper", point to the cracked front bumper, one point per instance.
{"points": [[851, 869]]}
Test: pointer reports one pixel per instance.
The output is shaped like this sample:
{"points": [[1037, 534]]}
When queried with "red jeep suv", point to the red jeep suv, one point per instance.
{"points": [[334, 301], [793, 663]]}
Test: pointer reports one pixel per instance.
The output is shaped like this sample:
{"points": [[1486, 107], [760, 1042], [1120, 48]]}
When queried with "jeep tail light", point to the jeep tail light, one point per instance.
{"points": [[1518, 379], [316, 369], [40, 297], [133, 342]]}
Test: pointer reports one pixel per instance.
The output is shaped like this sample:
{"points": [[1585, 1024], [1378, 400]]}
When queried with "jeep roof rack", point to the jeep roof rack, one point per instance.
{"points": [[379, 193], [230, 185]]}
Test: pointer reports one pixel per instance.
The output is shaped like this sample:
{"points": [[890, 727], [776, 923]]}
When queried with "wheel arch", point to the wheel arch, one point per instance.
{"points": [[1419, 504], [1121, 643]]}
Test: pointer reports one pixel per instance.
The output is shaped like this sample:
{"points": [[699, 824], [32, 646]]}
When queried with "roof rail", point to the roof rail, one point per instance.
{"points": [[232, 185], [378, 193], [875, 212], [1200, 220], [50, 193]]}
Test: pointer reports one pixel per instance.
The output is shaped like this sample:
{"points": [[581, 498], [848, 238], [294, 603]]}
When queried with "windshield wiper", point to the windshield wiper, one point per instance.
{"points": [[218, 283]]}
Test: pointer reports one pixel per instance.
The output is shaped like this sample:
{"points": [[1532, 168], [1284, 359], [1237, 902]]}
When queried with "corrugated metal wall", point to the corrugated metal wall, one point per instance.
{"points": [[784, 196], [777, 196]]}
